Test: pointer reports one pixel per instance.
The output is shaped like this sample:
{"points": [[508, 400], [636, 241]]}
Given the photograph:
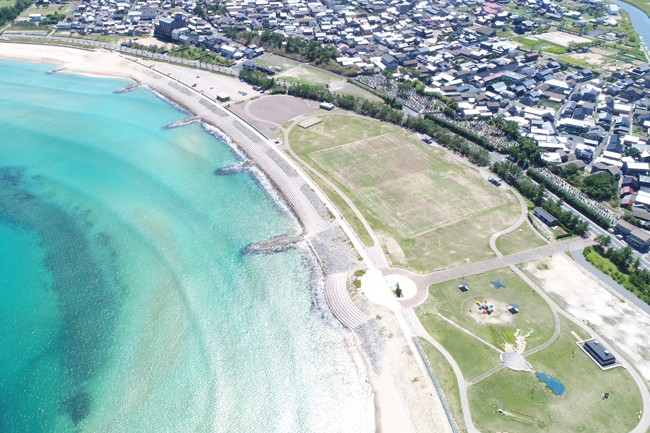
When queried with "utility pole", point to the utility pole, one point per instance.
{"points": [[532, 394]]}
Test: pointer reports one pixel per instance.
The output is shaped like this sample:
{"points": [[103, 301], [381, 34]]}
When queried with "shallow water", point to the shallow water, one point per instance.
{"points": [[125, 300]]}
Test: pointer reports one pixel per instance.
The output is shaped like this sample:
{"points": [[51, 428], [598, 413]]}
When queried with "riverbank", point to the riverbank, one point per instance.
{"points": [[279, 169]]}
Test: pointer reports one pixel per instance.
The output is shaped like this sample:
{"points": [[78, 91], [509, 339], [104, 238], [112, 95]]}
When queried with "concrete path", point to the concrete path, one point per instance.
{"points": [[522, 218], [424, 281], [417, 329]]}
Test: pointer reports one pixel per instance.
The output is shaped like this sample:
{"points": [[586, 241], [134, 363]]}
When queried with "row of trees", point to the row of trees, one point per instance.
{"points": [[623, 259], [10, 13], [383, 112], [472, 136], [514, 175], [570, 199], [566, 219], [257, 78]]}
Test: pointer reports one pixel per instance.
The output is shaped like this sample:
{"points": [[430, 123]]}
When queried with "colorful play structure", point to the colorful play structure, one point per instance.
{"points": [[485, 307]]}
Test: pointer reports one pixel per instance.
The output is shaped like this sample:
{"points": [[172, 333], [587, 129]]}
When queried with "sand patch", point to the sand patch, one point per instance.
{"points": [[582, 295], [562, 38]]}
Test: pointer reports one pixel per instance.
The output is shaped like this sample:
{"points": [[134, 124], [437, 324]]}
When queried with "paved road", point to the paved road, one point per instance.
{"points": [[424, 281]]}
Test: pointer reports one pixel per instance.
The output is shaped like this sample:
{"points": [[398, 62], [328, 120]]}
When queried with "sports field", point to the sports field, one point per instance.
{"points": [[429, 210], [530, 407]]}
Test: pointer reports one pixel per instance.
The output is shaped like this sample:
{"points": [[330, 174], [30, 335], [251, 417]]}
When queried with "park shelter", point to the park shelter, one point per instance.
{"points": [[513, 307], [223, 97], [545, 216], [463, 286]]}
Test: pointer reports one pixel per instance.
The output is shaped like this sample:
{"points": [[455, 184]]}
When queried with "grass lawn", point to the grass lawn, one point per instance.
{"points": [[7, 3], [447, 382], [305, 74], [473, 357], [428, 209], [270, 59], [532, 407], [499, 327], [521, 239], [575, 62]]}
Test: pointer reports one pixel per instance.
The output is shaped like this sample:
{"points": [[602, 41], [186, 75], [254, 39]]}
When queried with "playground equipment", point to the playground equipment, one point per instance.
{"points": [[485, 307]]}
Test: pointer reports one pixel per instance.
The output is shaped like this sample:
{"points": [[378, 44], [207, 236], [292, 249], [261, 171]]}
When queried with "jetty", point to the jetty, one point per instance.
{"points": [[276, 166], [128, 88], [183, 122], [236, 168]]}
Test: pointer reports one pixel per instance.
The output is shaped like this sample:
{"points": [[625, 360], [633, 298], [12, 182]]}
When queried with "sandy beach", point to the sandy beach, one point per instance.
{"points": [[402, 403]]}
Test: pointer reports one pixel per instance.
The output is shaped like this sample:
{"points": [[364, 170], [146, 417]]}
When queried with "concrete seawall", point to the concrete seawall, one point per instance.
{"points": [[285, 179]]}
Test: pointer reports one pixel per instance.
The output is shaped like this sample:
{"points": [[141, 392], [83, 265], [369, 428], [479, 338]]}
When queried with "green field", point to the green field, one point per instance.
{"points": [[7, 3], [447, 382], [531, 407], [499, 327], [473, 357], [521, 239], [429, 210], [304, 74]]}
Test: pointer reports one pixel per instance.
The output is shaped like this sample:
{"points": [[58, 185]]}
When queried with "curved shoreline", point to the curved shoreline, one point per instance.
{"points": [[271, 164]]}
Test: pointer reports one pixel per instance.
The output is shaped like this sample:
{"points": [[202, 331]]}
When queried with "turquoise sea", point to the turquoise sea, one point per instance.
{"points": [[126, 303]]}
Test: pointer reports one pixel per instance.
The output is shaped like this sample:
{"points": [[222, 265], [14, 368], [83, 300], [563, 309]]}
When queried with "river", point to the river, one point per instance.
{"points": [[640, 20]]}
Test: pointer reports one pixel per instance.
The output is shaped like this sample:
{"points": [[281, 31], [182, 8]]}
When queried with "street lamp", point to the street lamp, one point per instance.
{"points": [[532, 394]]}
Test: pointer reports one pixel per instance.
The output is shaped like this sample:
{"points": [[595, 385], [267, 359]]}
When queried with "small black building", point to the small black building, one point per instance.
{"points": [[599, 352], [545, 216]]}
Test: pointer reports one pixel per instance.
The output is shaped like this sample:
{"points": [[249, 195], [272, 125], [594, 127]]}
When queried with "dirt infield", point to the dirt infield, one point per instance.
{"points": [[267, 113]]}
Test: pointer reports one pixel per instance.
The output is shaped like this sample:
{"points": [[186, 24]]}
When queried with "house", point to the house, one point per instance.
{"points": [[598, 352], [636, 168], [545, 216], [390, 62], [611, 9], [228, 51]]}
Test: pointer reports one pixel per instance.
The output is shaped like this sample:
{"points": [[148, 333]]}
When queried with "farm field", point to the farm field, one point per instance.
{"points": [[429, 210], [521, 239], [530, 407]]}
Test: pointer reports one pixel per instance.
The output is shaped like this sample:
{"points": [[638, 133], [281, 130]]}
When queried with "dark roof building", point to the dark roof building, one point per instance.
{"points": [[599, 353], [545, 216]]}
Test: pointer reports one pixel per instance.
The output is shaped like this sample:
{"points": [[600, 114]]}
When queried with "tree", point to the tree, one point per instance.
{"points": [[604, 240], [633, 152]]}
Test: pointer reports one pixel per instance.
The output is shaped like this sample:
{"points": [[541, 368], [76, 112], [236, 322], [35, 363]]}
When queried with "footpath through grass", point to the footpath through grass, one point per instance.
{"points": [[447, 382], [521, 239], [473, 357], [531, 407]]}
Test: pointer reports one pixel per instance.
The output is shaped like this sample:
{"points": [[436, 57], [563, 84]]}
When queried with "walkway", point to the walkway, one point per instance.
{"points": [[424, 281]]}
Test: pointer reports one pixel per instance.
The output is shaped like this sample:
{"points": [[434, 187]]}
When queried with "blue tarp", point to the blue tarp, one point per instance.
{"points": [[557, 386], [498, 283]]}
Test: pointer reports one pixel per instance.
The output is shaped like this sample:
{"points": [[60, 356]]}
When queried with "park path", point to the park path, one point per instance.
{"points": [[424, 281]]}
